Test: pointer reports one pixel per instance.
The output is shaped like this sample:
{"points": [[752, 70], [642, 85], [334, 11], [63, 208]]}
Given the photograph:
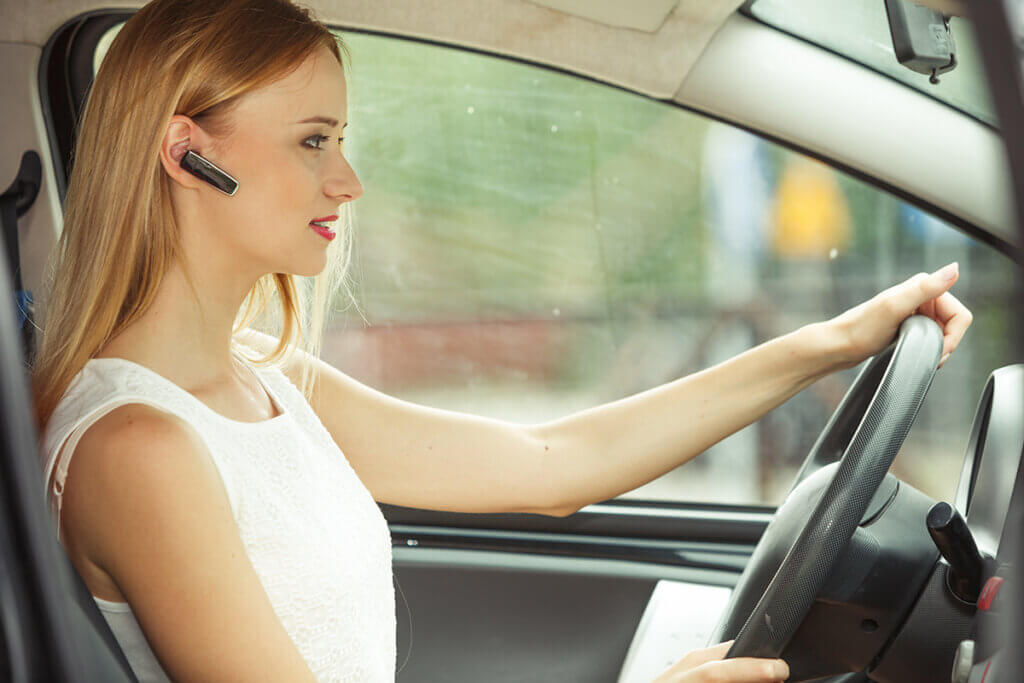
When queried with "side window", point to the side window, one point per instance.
{"points": [[532, 243]]}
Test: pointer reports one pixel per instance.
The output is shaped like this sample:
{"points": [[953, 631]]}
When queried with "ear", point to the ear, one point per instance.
{"points": [[183, 134]]}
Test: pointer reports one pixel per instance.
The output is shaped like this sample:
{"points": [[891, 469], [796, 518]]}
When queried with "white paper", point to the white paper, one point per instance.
{"points": [[679, 618]]}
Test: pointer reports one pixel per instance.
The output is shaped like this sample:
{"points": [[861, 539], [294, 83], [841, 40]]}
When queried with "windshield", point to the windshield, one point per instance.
{"points": [[859, 30]]}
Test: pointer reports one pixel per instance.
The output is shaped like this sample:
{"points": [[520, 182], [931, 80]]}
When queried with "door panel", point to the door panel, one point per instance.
{"points": [[472, 615]]}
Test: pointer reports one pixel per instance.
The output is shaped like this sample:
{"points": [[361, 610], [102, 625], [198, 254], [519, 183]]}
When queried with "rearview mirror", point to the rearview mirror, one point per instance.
{"points": [[921, 38]]}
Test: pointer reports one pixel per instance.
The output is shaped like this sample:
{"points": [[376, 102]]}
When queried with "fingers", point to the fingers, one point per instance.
{"points": [[928, 295], [954, 318], [928, 308], [707, 666], [922, 288], [903, 300], [708, 654], [867, 328], [740, 670]]}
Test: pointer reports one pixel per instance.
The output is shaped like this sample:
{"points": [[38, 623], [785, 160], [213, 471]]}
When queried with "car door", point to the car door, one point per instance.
{"points": [[533, 243]]}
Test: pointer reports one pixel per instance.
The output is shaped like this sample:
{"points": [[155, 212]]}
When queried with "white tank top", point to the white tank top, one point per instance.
{"points": [[313, 533]]}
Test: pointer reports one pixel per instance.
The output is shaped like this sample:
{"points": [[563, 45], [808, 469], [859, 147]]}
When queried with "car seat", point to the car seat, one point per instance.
{"points": [[50, 626]]}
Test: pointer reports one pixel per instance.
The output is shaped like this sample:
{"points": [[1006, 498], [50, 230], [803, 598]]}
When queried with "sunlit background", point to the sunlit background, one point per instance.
{"points": [[532, 244]]}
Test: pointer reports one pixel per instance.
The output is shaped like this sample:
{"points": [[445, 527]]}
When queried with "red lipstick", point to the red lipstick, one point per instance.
{"points": [[318, 225]]}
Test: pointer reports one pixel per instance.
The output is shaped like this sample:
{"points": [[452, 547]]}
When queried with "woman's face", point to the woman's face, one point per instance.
{"points": [[284, 150]]}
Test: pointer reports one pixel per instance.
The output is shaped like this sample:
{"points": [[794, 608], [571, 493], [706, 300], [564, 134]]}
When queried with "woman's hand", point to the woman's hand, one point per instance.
{"points": [[870, 327], [707, 665]]}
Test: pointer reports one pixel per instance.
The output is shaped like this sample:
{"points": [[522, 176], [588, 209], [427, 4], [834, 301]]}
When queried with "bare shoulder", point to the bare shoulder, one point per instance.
{"points": [[136, 424], [145, 496], [126, 458]]}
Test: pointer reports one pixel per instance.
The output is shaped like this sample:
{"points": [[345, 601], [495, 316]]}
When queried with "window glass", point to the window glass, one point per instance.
{"points": [[531, 244], [859, 29]]}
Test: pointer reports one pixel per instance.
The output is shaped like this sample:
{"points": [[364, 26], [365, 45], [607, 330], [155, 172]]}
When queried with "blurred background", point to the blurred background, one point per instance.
{"points": [[531, 244]]}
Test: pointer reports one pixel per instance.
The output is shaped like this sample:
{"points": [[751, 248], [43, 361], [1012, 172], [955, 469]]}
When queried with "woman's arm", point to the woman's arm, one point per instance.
{"points": [[613, 448], [417, 456]]}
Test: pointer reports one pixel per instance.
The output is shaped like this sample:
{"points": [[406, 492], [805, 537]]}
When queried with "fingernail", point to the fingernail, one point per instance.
{"points": [[949, 272], [943, 359], [781, 670]]}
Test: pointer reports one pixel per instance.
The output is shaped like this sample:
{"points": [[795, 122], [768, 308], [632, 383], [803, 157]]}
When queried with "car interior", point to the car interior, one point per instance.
{"points": [[624, 193]]}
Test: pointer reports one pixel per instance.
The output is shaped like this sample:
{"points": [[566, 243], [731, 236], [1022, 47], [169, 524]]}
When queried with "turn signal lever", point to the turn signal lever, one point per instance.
{"points": [[956, 544]]}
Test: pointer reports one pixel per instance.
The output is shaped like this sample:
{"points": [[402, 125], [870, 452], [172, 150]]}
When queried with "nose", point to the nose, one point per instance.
{"points": [[342, 184]]}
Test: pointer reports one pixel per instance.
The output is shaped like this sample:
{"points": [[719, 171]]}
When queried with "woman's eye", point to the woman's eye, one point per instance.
{"points": [[315, 141]]}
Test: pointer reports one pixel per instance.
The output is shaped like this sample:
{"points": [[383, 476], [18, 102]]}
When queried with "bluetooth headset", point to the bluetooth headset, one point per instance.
{"points": [[206, 170]]}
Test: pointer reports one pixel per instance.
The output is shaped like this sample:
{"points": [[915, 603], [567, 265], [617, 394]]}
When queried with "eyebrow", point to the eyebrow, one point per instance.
{"points": [[322, 119]]}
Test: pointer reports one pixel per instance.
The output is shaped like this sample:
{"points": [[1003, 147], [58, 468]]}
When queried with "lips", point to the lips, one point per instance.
{"points": [[323, 221], [326, 233], [322, 226]]}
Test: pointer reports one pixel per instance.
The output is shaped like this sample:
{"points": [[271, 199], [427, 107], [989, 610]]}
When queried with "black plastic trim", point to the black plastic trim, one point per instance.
{"points": [[616, 518], [705, 556]]}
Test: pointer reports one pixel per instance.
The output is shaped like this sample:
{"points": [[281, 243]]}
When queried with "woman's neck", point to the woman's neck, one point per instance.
{"points": [[185, 340]]}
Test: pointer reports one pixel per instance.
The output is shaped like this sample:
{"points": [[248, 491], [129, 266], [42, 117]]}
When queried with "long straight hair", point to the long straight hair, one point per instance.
{"points": [[191, 57]]}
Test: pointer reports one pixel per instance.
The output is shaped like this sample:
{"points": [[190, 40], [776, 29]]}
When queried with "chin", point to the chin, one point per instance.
{"points": [[309, 268]]}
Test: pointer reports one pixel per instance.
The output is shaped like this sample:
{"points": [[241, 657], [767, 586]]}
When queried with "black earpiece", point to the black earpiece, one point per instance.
{"points": [[204, 170]]}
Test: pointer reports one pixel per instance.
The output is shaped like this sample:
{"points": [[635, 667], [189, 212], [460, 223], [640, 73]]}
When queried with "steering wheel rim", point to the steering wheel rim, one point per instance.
{"points": [[892, 386]]}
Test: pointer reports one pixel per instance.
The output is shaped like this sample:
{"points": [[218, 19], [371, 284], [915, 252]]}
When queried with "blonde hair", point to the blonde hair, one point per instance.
{"points": [[190, 57]]}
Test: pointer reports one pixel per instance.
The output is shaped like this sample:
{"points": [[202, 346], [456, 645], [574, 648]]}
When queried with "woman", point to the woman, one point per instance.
{"points": [[212, 507]]}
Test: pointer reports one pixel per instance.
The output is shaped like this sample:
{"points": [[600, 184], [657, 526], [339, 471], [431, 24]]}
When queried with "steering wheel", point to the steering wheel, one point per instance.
{"points": [[866, 431]]}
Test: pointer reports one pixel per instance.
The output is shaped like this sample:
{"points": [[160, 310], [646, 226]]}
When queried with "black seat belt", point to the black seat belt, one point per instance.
{"points": [[14, 202]]}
